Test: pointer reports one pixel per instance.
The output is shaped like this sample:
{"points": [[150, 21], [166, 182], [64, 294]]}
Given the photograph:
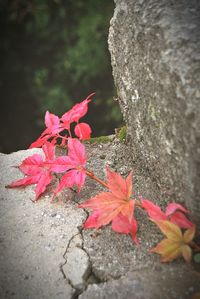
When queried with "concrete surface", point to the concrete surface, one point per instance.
{"points": [[45, 253]]}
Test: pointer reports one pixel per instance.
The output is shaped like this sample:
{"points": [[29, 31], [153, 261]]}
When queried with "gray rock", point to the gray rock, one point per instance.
{"points": [[45, 257], [32, 250], [155, 55], [145, 284], [77, 267], [114, 258]]}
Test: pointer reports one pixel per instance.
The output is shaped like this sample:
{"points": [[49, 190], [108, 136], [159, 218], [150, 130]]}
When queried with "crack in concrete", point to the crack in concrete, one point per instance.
{"points": [[90, 277], [74, 296]]}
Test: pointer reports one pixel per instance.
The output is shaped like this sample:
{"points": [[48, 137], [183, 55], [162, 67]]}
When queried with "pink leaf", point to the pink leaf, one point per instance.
{"points": [[120, 187], [172, 207], [62, 164], [77, 112], [92, 220], [80, 179], [181, 220], [153, 210], [25, 181], [32, 164], [52, 123], [121, 224], [66, 124], [37, 169], [83, 131], [74, 163], [40, 141], [51, 119], [43, 182], [66, 181], [54, 140], [113, 206], [71, 178], [49, 151], [76, 151]]}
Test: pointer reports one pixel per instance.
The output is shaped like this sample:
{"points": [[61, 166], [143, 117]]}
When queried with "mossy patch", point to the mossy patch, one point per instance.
{"points": [[122, 133], [100, 139]]}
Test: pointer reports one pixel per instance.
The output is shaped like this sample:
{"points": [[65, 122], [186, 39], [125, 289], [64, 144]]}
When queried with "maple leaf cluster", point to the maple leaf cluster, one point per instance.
{"points": [[170, 224], [56, 125], [115, 206], [39, 169]]}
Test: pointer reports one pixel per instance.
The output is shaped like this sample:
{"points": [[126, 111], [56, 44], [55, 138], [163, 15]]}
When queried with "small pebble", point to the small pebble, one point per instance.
{"points": [[26, 277], [53, 214], [48, 248]]}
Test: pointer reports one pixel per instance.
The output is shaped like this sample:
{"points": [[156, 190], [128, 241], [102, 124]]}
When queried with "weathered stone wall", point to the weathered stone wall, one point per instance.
{"points": [[155, 53]]}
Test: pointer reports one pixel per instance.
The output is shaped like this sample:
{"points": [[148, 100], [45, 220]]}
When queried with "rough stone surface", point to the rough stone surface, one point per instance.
{"points": [[33, 238], [77, 267], [145, 284], [154, 48], [45, 253]]}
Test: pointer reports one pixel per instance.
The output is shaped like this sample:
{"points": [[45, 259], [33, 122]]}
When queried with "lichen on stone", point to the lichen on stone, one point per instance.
{"points": [[122, 133]]}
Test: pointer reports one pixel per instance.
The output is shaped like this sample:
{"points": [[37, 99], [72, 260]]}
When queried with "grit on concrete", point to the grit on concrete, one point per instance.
{"points": [[44, 253]]}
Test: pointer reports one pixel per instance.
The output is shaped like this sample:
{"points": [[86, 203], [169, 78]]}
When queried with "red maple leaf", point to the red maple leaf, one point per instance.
{"points": [[37, 170], [83, 131], [77, 112], [53, 127], [73, 163], [172, 213], [115, 206]]}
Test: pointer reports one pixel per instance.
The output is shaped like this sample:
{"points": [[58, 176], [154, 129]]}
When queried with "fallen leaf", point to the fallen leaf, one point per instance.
{"points": [[53, 127], [173, 213], [73, 163], [83, 131], [115, 206], [37, 170], [176, 244]]}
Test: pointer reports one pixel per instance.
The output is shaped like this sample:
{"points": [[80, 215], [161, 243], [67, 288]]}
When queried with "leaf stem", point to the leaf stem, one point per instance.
{"points": [[92, 176], [195, 246], [138, 204], [62, 137]]}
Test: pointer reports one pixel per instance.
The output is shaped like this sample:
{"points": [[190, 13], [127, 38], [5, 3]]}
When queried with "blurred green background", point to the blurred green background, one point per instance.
{"points": [[52, 55]]}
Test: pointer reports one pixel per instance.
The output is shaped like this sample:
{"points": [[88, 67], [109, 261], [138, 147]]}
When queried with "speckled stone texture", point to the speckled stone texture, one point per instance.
{"points": [[45, 252], [155, 53]]}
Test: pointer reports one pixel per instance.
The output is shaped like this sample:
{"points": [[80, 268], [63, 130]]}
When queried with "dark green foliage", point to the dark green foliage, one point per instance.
{"points": [[57, 52], [197, 258]]}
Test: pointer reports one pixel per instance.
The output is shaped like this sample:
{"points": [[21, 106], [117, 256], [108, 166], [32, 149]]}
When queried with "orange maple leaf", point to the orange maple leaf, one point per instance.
{"points": [[115, 206], [176, 243]]}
